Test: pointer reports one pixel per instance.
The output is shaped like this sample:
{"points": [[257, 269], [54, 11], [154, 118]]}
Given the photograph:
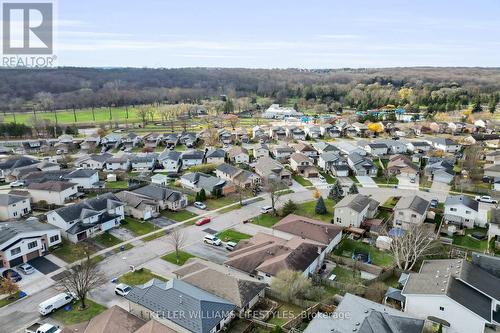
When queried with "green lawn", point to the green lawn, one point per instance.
{"points": [[308, 209], [378, 258], [9, 299], [346, 275], [383, 180], [120, 184], [70, 252], [154, 236], [217, 203], [75, 315], [107, 240], [301, 180], [266, 220], [139, 276], [138, 227], [383, 215], [232, 235], [469, 242], [285, 312], [329, 178], [287, 191], [178, 216], [183, 257]]}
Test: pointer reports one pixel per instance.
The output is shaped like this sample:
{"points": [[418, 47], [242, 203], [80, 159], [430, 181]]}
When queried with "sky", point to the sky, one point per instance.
{"points": [[277, 34]]}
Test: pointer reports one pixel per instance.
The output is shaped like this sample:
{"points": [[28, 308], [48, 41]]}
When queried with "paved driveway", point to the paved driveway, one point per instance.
{"points": [[438, 187], [217, 254], [43, 265], [405, 183], [366, 181], [161, 222]]}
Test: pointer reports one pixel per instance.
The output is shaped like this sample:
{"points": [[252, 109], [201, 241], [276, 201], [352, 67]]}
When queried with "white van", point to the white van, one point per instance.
{"points": [[212, 240], [54, 303], [266, 209]]}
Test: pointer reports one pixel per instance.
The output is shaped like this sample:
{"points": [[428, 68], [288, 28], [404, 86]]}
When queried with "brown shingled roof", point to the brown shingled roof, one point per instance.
{"points": [[304, 227]]}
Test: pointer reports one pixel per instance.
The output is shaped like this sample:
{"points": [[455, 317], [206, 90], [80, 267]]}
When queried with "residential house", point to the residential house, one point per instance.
{"points": [[13, 206], [277, 133], [152, 140], [223, 282], [313, 132], [170, 160], [90, 142], [324, 147], [455, 293], [16, 163], [334, 163], [354, 209], [143, 163], [439, 170], [165, 197], [118, 163], [462, 210], [260, 150], [159, 179], [365, 316], [492, 171], [402, 165], [215, 156], [197, 181], [282, 152], [33, 147], [331, 131], [88, 218], [275, 111], [394, 146], [188, 139], [138, 205], [131, 140], [170, 140], [269, 169], [84, 178], [264, 255], [112, 140], [348, 148], [361, 166], [21, 241], [240, 177], [180, 306], [409, 211], [419, 146], [295, 133], [303, 165], [356, 129], [259, 133], [306, 149], [493, 157], [494, 227], [238, 155], [225, 136], [445, 144], [94, 161], [53, 192], [377, 149], [191, 158]]}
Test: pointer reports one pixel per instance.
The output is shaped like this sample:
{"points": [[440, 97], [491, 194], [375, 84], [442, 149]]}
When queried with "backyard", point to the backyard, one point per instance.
{"points": [[119, 184], [469, 242], [379, 258], [284, 313]]}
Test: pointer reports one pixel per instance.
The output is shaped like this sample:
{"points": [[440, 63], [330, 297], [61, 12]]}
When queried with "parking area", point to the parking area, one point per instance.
{"points": [[405, 183], [43, 265], [26, 279], [122, 233], [161, 222], [366, 181], [217, 254]]}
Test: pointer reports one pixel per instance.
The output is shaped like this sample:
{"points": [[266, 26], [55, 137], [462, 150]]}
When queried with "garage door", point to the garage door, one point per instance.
{"points": [[32, 255], [15, 262]]}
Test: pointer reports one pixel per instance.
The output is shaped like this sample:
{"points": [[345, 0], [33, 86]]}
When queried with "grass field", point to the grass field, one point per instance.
{"points": [[183, 257], [139, 276], [75, 315], [138, 227], [308, 209], [9, 299], [469, 242], [121, 184], [70, 252], [329, 178], [179, 216], [232, 235], [285, 312], [301, 180], [266, 220], [379, 258]]}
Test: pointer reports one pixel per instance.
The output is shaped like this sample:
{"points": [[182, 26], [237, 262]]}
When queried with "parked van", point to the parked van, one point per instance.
{"points": [[212, 240], [54, 303], [230, 246], [266, 209]]}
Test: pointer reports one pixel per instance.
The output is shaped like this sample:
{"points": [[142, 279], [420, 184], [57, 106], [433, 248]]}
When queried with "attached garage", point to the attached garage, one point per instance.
{"points": [[16, 262], [32, 255]]}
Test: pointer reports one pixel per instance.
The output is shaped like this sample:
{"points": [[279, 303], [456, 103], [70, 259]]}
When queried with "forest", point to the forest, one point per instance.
{"points": [[431, 89]]}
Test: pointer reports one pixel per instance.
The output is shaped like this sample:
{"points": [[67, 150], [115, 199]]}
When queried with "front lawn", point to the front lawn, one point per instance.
{"points": [[120, 184], [308, 209], [107, 240], [379, 258], [70, 252], [183, 257], [138, 227], [384, 180], [391, 202], [266, 220], [75, 315], [329, 178], [140, 276], [178, 216], [9, 299], [301, 180], [232, 235], [469, 242], [216, 203]]}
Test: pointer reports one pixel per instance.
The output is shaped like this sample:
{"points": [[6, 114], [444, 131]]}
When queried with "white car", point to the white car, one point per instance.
{"points": [[200, 205], [321, 178], [122, 289], [266, 209], [17, 183], [486, 199], [212, 240], [26, 269], [230, 246]]}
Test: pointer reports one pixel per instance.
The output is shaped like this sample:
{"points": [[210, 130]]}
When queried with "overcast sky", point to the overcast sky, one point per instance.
{"points": [[276, 33]]}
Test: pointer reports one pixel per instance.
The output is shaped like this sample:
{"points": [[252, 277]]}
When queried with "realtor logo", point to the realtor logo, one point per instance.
{"points": [[27, 28]]}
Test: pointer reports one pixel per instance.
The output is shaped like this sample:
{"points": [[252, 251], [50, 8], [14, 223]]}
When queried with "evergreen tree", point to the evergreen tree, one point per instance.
{"points": [[289, 207], [203, 195], [353, 189], [197, 196], [335, 192], [320, 206]]}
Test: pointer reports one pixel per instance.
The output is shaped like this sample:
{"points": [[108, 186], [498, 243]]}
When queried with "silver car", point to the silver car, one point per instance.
{"points": [[26, 269]]}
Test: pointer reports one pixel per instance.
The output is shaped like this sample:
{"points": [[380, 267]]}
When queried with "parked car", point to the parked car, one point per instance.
{"points": [[43, 328], [12, 274], [203, 221], [54, 303], [486, 199], [266, 209], [212, 240], [434, 203], [122, 289], [26, 269], [412, 180], [230, 246], [321, 178], [200, 205], [17, 183]]}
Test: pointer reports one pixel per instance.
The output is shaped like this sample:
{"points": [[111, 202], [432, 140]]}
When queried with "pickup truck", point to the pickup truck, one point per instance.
{"points": [[486, 199], [43, 328]]}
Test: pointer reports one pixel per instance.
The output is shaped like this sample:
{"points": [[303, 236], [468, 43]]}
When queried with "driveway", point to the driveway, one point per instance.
{"points": [[161, 222], [43, 265], [405, 183], [438, 187], [366, 181], [122, 233], [217, 254]]}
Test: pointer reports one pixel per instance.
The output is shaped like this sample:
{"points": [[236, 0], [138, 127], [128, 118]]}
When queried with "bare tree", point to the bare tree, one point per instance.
{"points": [[274, 186], [177, 239], [290, 284], [233, 120], [143, 114], [411, 246], [82, 278]]}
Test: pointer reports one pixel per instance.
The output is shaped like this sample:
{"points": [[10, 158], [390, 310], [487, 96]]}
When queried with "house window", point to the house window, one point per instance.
{"points": [[453, 209], [15, 251], [15, 214], [413, 215], [54, 238], [441, 308], [32, 245], [468, 212]]}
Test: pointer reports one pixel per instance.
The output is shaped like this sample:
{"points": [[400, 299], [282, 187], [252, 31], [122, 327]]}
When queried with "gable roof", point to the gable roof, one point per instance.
{"points": [[97, 204], [462, 200], [305, 227], [9, 230], [51, 185], [414, 203], [9, 199], [188, 306], [157, 192], [357, 202]]}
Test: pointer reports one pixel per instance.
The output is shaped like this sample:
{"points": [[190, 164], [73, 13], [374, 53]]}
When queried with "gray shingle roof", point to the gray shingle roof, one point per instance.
{"points": [[414, 203], [100, 203], [215, 153], [357, 202], [8, 230], [159, 193], [462, 200], [9, 199], [81, 173], [228, 169], [190, 307], [204, 181]]}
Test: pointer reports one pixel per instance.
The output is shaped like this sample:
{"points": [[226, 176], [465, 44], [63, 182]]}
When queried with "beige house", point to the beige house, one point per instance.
{"points": [[303, 165], [13, 206], [354, 209], [410, 210]]}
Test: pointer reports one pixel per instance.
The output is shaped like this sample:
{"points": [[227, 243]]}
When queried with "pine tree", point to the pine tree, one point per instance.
{"points": [[197, 197], [335, 192], [203, 195], [320, 207], [289, 207], [353, 189]]}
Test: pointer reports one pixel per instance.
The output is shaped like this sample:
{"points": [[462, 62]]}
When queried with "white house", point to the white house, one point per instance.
{"points": [[282, 152], [143, 163], [377, 149], [445, 144], [53, 192], [22, 241], [84, 178], [261, 150], [410, 210], [159, 179], [238, 155], [88, 218], [463, 211], [118, 163], [354, 209], [94, 161], [13, 206], [191, 158], [170, 160], [215, 156], [275, 111]]}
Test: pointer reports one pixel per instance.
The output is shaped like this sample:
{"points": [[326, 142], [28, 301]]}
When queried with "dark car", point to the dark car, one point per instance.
{"points": [[12, 274], [434, 203]]}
